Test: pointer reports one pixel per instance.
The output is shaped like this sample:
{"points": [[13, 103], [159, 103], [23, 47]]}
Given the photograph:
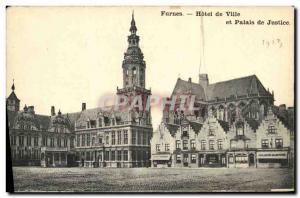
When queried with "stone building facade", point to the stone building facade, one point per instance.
{"points": [[98, 137], [227, 127]]}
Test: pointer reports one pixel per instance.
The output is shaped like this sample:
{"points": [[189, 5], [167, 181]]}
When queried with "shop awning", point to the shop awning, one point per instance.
{"points": [[161, 157]]}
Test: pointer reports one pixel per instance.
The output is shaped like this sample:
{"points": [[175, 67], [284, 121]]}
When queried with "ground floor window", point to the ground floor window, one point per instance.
{"points": [[193, 158], [125, 155], [178, 158], [241, 158], [230, 159]]}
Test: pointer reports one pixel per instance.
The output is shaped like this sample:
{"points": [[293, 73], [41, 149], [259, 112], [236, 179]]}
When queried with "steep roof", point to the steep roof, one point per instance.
{"points": [[186, 87], [172, 128], [239, 86], [196, 126], [224, 125], [254, 124], [13, 96]]}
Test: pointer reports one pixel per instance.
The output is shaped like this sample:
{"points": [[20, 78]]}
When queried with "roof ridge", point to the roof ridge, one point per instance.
{"points": [[253, 75]]}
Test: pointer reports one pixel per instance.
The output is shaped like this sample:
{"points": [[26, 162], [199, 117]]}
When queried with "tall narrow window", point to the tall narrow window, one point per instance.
{"points": [[119, 137], [177, 144], [167, 147], [88, 139], [203, 144], [185, 144], [133, 137], [125, 133], [113, 138], [157, 147], [278, 143], [83, 140], [211, 144], [28, 140], [78, 140], [220, 144], [193, 144], [36, 141]]}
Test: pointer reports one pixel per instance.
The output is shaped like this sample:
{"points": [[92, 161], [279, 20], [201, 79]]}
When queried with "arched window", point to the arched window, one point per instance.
{"points": [[221, 112]]}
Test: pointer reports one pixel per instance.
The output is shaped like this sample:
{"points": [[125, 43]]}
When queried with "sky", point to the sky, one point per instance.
{"points": [[63, 56]]}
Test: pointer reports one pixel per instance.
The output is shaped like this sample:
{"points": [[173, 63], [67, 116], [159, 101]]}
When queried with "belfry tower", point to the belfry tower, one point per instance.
{"points": [[134, 67]]}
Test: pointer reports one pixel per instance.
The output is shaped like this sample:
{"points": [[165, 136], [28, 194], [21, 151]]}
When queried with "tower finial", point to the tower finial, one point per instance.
{"points": [[13, 85], [133, 28]]}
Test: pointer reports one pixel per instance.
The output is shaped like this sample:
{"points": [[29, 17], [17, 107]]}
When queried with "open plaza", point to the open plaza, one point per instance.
{"points": [[37, 179]]}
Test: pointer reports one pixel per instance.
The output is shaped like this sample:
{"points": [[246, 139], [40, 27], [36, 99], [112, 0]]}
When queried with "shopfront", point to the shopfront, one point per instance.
{"points": [[161, 160], [273, 158], [241, 159], [212, 160]]}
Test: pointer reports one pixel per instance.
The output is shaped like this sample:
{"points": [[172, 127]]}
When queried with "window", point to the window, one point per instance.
{"points": [[211, 131], [119, 137], [185, 157], [100, 122], [125, 133], [167, 147], [28, 140], [203, 145], [65, 142], [119, 155], [93, 141], [241, 159], [78, 140], [139, 136], [157, 147], [107, 139], [133, 137], [36, 141], [113, 138], [230, 159], [106, 156], [265, 143], [100, 140], [52, 142], [185, 144], [93, 123], [58, 142], [233, 144], [193, 158], [113, 121], [83, 140], [113, 155], [72, 142], [211, 145], [278, 143], [185, 134], [271, 129], [62, 129], [178, 158], [125, 155], [193, 145], [14, 140], [240, 131], [177, 144], [88, 139], [145, 138], [88, 124], [44, 140], [21, 140], [220, 144]]}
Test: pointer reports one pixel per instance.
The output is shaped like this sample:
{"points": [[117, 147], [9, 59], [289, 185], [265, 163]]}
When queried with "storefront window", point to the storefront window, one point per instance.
{"points": [[230, 159], [193, 158], [178, 158], [241, 159], [167, 147]]}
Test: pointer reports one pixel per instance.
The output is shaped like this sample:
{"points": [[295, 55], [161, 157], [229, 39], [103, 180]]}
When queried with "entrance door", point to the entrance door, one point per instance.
{"points": [[251, 159]]}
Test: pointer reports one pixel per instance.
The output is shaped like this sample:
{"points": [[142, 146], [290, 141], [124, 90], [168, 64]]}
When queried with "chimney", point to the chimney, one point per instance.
{"points": [[203, 80], [52, 111], [31, 109], [83, 106], [282, 107], [190, 79]]}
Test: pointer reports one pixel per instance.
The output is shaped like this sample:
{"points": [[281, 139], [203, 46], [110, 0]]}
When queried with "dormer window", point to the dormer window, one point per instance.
{"points": [[240, 131], [93, 123], [211, 131]]}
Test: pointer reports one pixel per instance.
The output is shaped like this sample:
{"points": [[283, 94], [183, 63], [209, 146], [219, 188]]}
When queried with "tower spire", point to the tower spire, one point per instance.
{"points": [[13, 85], [133, 28]]}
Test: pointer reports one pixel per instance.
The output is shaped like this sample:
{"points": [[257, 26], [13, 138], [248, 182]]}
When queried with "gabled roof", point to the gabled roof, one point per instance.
{"points": [[224, 125], [185, 87], [196, 126], [239, 86], [253, 123], [172, 128]]}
